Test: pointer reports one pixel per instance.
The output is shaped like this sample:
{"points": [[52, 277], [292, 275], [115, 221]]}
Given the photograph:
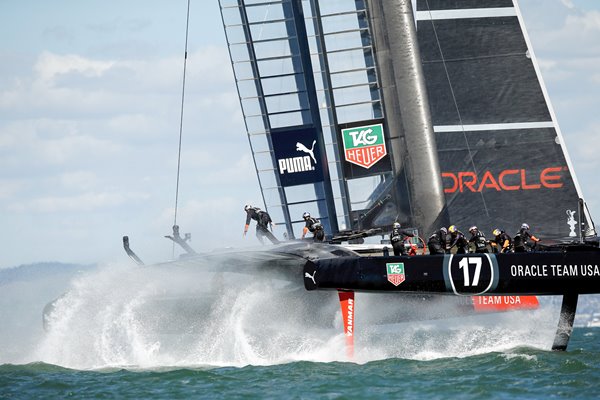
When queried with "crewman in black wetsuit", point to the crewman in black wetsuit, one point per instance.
{"points": [[502, 242], [263, 220], [397, 238], [458, 239], [437, 242], [521, 240], [314, 226], [478, 239]]}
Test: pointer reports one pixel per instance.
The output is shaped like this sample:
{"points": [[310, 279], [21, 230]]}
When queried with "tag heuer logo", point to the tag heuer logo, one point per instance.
{"points": [[364, 145], [395, 273]]}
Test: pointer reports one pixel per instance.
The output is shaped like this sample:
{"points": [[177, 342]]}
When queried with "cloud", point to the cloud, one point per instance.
{"points": [[564, 31], [585, 24], [50, 142], [568, 3], [89, 124], [50, 66], [75, 85], [89, 201]]}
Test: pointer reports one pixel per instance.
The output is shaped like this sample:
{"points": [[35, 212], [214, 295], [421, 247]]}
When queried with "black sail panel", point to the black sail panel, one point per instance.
{"points": [[499, 149]]}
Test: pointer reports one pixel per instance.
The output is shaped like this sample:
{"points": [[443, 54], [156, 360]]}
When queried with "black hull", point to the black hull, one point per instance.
{"points": [[573, 270]]}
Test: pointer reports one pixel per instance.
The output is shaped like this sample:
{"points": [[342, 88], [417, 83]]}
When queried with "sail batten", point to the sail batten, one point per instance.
{"points": [[465, 13], [494, 127]]}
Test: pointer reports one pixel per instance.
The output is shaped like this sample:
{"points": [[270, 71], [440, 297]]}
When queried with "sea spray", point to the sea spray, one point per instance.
{"points": [[168, 315], [230, 314]]}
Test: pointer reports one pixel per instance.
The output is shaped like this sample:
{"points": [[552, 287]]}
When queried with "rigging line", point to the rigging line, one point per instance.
{"points": [[437, 40], [187, 24]]}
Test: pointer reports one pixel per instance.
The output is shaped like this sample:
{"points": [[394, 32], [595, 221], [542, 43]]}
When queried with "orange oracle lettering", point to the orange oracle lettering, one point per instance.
{"points": [[501, 179], [524, 184], [454, 182], [507, 180], [547, 175], [470, 184], [491, 184]]}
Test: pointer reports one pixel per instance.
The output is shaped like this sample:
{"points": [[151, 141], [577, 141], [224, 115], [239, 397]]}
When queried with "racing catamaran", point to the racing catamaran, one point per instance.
{"points": [[429, 113]]}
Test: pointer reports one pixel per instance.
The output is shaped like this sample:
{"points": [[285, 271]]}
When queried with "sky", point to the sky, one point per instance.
{"points": [[90, 103]]}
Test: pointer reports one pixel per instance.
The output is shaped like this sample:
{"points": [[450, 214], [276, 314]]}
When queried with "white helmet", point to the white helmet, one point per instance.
{"points": [[473, 228], [524, 226], [306, 215], [247, 206], [396, 225]]}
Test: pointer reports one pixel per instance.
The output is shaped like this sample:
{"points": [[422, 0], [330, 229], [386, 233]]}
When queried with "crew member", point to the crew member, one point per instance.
{"points": [[263, 220], [478, 239], [502, 242], [314, 226], [437, 242], [521, 240], [458, 239], [397, 238]]}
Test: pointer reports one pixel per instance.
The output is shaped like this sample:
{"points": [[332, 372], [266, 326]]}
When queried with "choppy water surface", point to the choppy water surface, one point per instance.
{"points": [[132, 332]]}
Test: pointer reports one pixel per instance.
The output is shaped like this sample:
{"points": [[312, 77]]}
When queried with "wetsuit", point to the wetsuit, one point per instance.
{"points": [[437, 242], [458, 239], [263, 219], [521, 241], [478, 239], [502, 243], [397, 238], [315, 227]]}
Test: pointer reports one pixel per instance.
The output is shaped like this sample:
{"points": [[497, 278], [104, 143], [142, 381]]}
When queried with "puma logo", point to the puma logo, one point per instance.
{"points": [[301, 147], [307, 275]]}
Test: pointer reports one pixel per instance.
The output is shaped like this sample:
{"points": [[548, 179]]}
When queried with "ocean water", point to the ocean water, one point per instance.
{"points": [[126, 332]]}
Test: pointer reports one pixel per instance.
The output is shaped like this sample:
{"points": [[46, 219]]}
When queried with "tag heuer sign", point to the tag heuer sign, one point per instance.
{"points": [[395, 273], [364, 145]]}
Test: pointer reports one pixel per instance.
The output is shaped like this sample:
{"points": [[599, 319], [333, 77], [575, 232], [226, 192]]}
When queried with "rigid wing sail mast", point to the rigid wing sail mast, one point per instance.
{"points": [[407, 108]]}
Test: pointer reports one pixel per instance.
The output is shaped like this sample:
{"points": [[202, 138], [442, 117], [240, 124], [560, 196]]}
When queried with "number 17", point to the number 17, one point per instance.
{"points": [[464, 265]]}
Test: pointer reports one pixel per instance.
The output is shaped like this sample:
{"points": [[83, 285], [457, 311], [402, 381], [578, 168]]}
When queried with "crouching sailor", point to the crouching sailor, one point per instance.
{"points": [[458, 239], [502, 242], [263, 221], [313, 226], [521, 240], [397, 237], [478, 239], [437, 242]]}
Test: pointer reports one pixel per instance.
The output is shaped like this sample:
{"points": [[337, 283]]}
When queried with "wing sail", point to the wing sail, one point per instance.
{"points": [[429, 113]]}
